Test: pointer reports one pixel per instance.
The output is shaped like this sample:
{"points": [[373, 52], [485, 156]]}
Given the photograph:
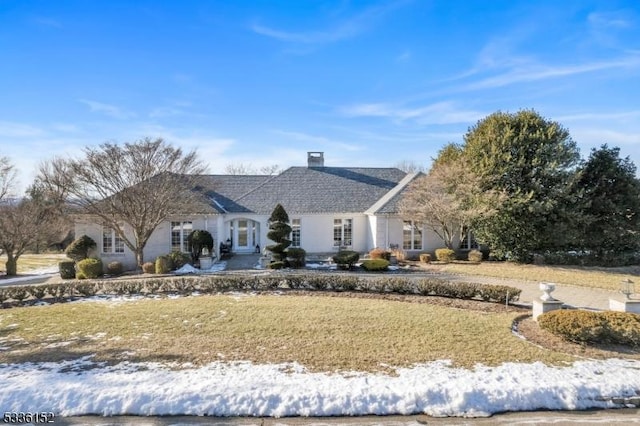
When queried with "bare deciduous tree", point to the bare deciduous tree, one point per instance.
{"points": [[22, 221], [7, 177], [248, 169], [446, 201], [132, 187], [410, 166]]}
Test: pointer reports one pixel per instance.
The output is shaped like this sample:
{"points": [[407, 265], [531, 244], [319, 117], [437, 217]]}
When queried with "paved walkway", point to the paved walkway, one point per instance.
{"points": [[574, 296]]}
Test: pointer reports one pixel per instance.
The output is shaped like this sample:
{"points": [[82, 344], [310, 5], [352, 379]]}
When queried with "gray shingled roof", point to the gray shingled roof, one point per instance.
{"points": [[221, 191], [392, 206], [321, 190]]}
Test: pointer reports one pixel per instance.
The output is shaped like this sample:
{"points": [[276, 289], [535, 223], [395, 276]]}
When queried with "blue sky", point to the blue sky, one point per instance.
{"points": [[263, 82]]}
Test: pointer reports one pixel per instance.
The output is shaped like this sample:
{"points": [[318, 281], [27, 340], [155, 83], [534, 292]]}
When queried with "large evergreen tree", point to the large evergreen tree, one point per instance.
{"points": [[609, 200], [531, 160]]}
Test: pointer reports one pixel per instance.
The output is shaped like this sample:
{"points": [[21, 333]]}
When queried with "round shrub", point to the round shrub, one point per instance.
{"points": [[445, 255], [148, 267], [378, 253], [475, 256], [345, 259], [114, 268], [79, 249], [425, 258], [276, 265], [593, 327], [163, 265], [296, 257], [178, 260], [375, 265], [90, 268], [67, 269]]}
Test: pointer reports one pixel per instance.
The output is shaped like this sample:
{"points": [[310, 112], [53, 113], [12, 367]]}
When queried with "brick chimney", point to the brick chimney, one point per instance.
{"points": [[315, 159]]}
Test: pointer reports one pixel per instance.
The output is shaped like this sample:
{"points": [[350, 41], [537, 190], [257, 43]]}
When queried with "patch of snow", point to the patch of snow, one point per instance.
{"points": [[186, 269], [246, 389]]}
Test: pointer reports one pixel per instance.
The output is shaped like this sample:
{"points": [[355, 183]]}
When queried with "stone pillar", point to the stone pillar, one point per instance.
{"points": [[625, 305], [546, 302]]}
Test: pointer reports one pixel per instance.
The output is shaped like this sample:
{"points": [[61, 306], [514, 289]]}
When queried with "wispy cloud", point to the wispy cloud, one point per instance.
{"points": [[107, 109], [344, 29], [437, 113], [540, 72]]}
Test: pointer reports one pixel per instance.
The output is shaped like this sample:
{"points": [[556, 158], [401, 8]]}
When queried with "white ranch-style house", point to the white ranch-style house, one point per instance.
{"points": [[329, 208]]}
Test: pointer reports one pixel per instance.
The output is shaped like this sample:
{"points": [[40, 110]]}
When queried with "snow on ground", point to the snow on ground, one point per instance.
{"points": [[48, 271], [189, 269], [245, 389]]}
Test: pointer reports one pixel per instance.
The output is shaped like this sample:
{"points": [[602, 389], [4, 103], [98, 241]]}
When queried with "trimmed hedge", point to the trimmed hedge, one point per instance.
{"points": [[445, 255], [378, 253], [375, 265], [67, 269], [345, 259], [296, 257], [115, 268], [475, 256], [149, 267], [581, 326], [220, 283], [90, 268], [425, 258], [163, 265]]}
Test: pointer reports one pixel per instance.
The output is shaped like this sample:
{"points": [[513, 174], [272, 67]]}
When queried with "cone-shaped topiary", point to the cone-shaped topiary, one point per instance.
{"points": [[279, 230]]}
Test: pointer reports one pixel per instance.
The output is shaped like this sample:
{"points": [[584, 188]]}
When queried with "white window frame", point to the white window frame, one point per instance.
{"points": [[468, 241], [343, 232], [296, 233], [112, 243], [415, 229], [183, 228]]}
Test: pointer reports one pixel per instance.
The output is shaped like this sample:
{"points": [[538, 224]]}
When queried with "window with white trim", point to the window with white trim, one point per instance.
{"points": [[411, 235], [295, 233], [111, 241], [342, 232], [179, 233], [468, 241]]}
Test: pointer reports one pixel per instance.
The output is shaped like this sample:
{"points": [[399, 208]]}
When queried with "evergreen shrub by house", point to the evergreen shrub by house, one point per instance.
{"points": [[425, 258], [475, 256], [276, 265], [178, 260], [163, 265], [345, 259], [90, 268], [67, 269], [378, 253], [374, 265], [79, 249], [148, 267], [279, 231], [296, 257], [582, 326], [114, 268], [445, 255]]}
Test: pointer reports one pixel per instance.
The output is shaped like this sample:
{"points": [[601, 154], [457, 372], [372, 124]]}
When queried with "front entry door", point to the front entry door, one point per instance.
{"points": [[245, 235]]}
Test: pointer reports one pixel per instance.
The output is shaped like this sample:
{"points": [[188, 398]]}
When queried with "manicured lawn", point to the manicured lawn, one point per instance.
{"points": [[29, 262], [320, 332], [606, 278]]}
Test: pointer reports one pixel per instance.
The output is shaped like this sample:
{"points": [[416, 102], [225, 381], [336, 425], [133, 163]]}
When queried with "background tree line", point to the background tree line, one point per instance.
{"points": [[519, 183]]}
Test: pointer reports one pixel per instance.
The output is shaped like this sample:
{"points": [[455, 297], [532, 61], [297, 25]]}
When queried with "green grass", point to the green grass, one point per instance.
{"points": [[605, 278], [29, 262], [320, 332]]}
